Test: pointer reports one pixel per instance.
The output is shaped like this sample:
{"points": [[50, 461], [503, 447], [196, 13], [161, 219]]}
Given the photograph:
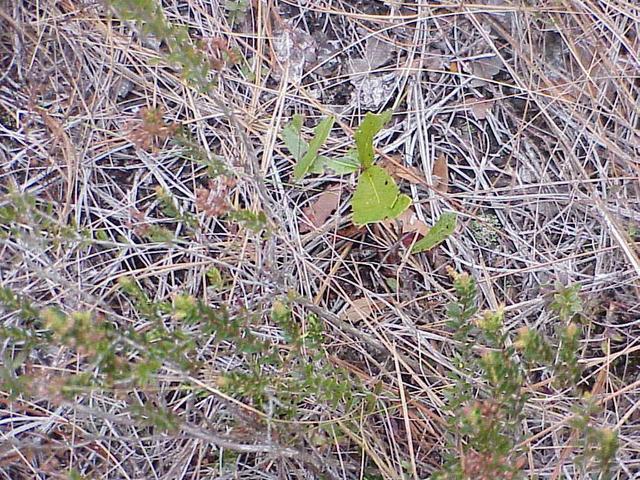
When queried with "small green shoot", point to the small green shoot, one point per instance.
{"points": [[292, 136], [256, 222], [339, 166], [443, 228], [377, 195], [298, 146], [236, 10], [214, 277], [368, 129], [314, 163]]}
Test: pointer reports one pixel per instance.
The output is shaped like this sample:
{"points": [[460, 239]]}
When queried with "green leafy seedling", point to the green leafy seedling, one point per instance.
{"points": [[306, 154], [308, 160], [215, 278], [368, 129], [377, 196], [291, 134], [339, 166], [320, 135], [236, 10], [443, 228]]}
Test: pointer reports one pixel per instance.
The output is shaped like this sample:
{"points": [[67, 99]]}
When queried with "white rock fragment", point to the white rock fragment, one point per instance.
{"points": [[294, 50]]}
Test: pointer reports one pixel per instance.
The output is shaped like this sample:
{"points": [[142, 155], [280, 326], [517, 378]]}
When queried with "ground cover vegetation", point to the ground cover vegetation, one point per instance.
{"points": [[341, 240]]}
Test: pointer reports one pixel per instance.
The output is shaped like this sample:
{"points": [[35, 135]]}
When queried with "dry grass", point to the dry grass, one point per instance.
{"points": [[543, 169]]}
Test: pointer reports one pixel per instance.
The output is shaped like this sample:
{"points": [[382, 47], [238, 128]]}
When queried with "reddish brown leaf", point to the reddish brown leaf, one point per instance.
{"points": [[360, 309], [316, 214], [483, 70], [480, 107], [410, 223], [350, 231], [440, 174], [403, 172]]}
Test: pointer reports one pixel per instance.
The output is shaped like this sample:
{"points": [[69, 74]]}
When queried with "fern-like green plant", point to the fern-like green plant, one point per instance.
{"points": [[488, 399]]}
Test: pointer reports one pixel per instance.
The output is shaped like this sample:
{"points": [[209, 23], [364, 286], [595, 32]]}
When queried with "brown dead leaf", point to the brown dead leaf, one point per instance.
{"points": [[562, 89], [359, 309], [432, 62], [440, 174], [350, 231], [316, 214], [480, 107], [484, 70], [403, 172], [410, 223], [69, 154]]}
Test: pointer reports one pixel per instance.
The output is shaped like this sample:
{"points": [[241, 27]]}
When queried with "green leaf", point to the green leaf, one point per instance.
{"points": [[291, 135], [248, 219], [368, 129], [338, 166], [321, 133], [377, 197], [319, 165], [215, 278], [443, 228], [293, 139]]}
